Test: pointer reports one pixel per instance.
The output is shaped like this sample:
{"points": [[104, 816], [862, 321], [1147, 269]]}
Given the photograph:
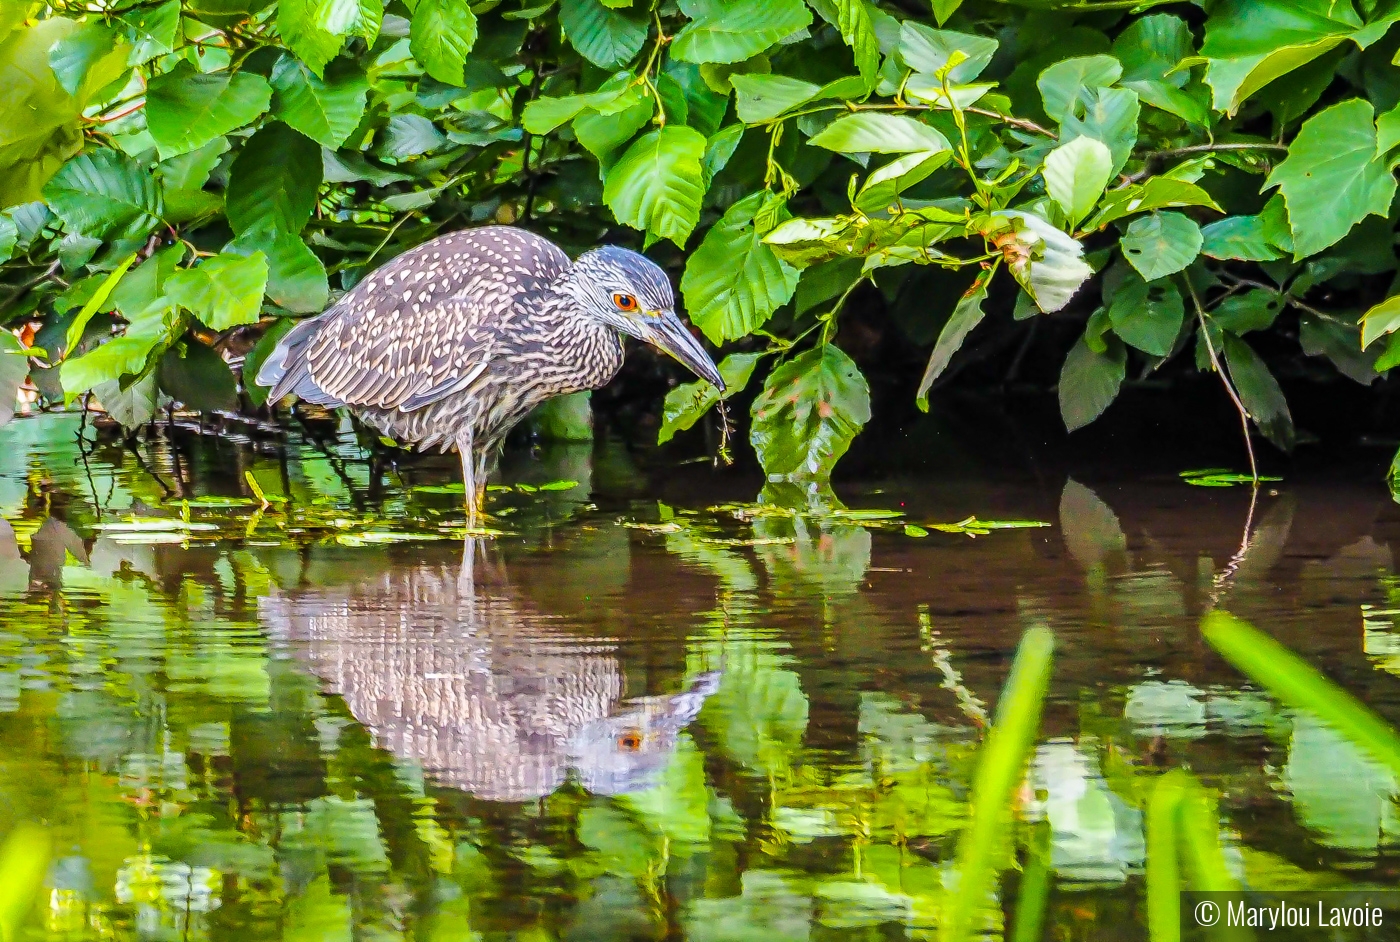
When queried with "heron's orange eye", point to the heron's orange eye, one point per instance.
{"points": [[629, 741], [625, 302]]}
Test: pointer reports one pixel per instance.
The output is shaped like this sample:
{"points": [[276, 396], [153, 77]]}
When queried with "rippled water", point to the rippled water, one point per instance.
{"points": [[630, 718]]}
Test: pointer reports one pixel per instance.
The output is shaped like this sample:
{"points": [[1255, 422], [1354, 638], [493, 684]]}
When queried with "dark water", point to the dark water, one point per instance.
{"points": [[633, 718]]}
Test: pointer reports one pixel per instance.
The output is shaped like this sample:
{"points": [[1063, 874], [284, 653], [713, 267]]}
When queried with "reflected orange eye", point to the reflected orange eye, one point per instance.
{"points": [[631, 740], [625, 302]]}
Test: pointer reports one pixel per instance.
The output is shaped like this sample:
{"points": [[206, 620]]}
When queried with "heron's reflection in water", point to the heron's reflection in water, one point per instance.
{"points": [[486, 695]]}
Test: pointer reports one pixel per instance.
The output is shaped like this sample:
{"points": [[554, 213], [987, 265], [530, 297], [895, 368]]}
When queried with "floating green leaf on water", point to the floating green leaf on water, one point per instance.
{"points": [[1220, 477], [152, 524], [558, 486], [132, 539], [971, 526], [859, 515], [771, 541], [377, 537], [217, 503], [449, 489]]}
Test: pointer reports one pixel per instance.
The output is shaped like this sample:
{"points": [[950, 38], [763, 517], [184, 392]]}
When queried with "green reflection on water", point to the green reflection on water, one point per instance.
{"points": [[260, 732]]}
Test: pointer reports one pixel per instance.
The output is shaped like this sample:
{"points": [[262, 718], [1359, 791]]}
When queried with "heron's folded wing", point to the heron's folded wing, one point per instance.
{"points": [[403, 356]]}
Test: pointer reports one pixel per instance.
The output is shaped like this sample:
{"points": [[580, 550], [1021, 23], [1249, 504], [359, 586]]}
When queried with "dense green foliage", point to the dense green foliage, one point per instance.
{"points": [[1176, 179]]}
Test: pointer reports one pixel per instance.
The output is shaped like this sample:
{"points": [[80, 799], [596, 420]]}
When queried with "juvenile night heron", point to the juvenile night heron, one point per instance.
{"points": [[454, 342]]}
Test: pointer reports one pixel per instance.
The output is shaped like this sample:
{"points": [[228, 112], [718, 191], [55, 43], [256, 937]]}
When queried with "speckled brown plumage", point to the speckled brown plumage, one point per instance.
{"points": [[454, 342]]}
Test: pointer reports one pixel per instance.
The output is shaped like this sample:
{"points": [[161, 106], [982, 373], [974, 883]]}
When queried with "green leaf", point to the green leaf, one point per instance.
{"points": [[1076, 174], [928, 51], [762, 98], [689, 401], [14, 370], [223, 292], [409, 135], [1332, 177], [151, 31], [1152, 46], [1380, 320], [39, 121], [810, 409], [1147, 316], [1241, 313], [1089, 382], [94, 303], [198, 377], [545, 114], [1249, 43], [1161, 244], [89, 58], [853, 21], [868, 132], [736, 30], [602, 134], [733, 282], [256, 357], [1260, 392], [133, 406], [883, 186], [296, 21], [606, 38], [1109, 115], [656, 186], [9, 238], [326, 110], [105, 194], [296, 279], [1156, 193], [1340, 343], [186, 109], [441, 37], [1061, 84], [966, 315], [274, 180], [350, 17], [1239, 237], [125, 355], [719, 148]]}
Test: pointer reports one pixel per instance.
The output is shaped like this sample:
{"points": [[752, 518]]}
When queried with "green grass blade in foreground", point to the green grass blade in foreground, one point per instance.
{"points": [[1299, 684], [1163, 869], [1200, 832], [24, 861], [999, 772], [1035, 888]]}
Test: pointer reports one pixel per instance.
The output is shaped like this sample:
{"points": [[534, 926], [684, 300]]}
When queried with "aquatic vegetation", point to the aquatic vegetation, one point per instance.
{"points": [[1222, 477]]}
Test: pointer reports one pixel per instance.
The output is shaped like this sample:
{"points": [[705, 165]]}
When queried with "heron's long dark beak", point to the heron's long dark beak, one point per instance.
{"points": [[667, 332]]}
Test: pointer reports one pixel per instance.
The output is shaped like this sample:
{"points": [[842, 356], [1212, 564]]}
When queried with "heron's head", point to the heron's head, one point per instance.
{"points": [[631, 294]]}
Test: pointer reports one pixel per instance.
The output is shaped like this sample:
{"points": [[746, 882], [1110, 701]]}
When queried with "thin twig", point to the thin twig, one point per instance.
{"points": [[1225, 379], [1025, 124], [1156, 157]]}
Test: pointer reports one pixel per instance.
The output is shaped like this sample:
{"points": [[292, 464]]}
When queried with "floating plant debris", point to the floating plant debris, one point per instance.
{"points": [[152, 524], [1220, 477], [974, 527]]}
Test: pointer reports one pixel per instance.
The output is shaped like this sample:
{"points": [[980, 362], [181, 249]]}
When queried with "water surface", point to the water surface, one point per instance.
{"points": [[637, 714]]}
